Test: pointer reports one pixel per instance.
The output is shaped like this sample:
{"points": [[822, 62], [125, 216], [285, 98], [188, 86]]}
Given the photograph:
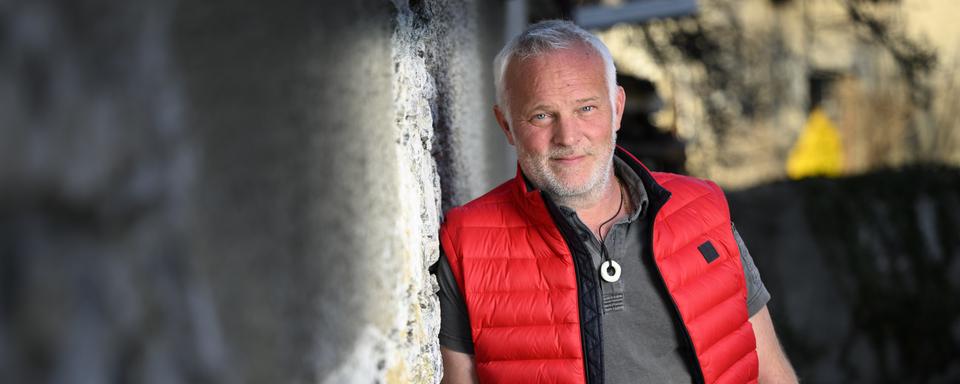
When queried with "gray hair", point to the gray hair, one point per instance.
{"points": [[545, 37]]}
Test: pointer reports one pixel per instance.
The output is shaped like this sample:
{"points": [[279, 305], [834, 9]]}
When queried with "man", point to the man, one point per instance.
{"points": [[586, 267]]}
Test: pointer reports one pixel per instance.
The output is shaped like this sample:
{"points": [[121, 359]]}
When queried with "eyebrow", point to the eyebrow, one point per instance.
{"points": [[540, 107], [543, 107]]}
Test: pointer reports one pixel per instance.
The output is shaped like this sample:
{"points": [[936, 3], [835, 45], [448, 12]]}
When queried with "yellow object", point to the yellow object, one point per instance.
{"points": [[818, 151]]}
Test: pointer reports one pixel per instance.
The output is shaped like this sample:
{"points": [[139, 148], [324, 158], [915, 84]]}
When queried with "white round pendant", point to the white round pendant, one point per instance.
{"points": [[605, 271]]}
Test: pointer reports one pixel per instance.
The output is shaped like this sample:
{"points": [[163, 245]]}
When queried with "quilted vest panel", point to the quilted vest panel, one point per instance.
{"points": [[517, 278], [710, 295]]}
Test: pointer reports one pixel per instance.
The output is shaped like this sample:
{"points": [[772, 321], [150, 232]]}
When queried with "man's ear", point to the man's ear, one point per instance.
{"points": [[621, 102], [504, 124]]}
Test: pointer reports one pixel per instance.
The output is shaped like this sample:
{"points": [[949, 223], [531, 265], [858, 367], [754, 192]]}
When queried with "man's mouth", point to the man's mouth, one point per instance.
{"points": [[568, 159]]}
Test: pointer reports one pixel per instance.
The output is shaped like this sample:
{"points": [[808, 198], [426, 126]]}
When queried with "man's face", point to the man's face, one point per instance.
{"points": [[562, 121]]}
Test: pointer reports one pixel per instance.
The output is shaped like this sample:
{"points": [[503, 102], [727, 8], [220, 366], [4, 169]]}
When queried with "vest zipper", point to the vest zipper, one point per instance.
{"points": [[567, 234]]}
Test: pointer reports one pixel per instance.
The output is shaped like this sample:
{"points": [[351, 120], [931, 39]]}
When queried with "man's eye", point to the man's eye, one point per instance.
{"points": [[540, 116], [587, 108]]}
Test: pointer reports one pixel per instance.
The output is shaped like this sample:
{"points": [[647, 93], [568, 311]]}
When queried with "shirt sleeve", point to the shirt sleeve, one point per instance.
{"points": [[757, 294], [454, 321]]}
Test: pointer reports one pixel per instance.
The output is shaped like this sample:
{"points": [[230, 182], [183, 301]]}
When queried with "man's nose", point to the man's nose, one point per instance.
{"points": [[566, 131]]}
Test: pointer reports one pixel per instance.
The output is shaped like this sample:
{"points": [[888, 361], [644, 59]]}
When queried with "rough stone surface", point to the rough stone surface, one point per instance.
{"points": [[457, 42], [297, 192], [227, 191], [97, 280]]}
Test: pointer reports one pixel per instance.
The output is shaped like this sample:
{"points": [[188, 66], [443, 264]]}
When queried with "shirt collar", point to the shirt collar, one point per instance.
{"points": [[635, 191]]}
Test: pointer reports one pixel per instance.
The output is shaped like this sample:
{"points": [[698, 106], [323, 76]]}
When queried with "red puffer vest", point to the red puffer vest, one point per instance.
{"points": [[534, 304]]}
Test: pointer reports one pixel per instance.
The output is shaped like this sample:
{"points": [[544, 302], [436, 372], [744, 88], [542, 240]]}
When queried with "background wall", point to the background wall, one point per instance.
{"points": [[227, 191], [864, 272], [740, 78]]}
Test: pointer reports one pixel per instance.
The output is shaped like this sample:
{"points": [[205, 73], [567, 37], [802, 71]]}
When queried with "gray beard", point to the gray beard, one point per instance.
{"points": [[572, 199], [576, 200]]}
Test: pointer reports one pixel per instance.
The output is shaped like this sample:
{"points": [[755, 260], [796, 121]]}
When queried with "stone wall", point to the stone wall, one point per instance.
{"points": [[864, 273], [226, 191]]}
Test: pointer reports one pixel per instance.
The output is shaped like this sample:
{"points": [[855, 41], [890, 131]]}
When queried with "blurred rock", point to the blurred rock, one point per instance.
{"points": [[864, 272], [232, 191]]}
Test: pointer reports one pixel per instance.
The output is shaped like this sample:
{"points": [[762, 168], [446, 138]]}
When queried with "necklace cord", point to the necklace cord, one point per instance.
{"points": [[603, 247]]}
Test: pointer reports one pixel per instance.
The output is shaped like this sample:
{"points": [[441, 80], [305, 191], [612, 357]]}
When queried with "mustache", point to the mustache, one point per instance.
{"points": [[569, 151]]}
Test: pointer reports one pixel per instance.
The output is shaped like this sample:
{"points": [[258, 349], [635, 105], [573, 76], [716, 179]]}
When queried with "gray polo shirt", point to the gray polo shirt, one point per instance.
{"points": [[642, 343]]}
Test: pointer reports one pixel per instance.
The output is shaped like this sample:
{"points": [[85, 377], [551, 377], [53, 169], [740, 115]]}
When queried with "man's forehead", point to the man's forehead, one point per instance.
{"points": [[556, 61], [567, 69]]}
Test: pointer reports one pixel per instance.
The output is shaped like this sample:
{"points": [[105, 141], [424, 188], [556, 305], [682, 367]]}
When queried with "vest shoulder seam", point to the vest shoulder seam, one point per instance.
{"points": [[685, 204]]}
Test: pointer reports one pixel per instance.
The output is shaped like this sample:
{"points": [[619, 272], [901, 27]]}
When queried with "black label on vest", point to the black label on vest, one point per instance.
{"points": [[708, 251]]}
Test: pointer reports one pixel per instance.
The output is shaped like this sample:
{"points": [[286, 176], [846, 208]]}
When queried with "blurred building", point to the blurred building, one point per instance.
{"points": [[739, 78]]}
